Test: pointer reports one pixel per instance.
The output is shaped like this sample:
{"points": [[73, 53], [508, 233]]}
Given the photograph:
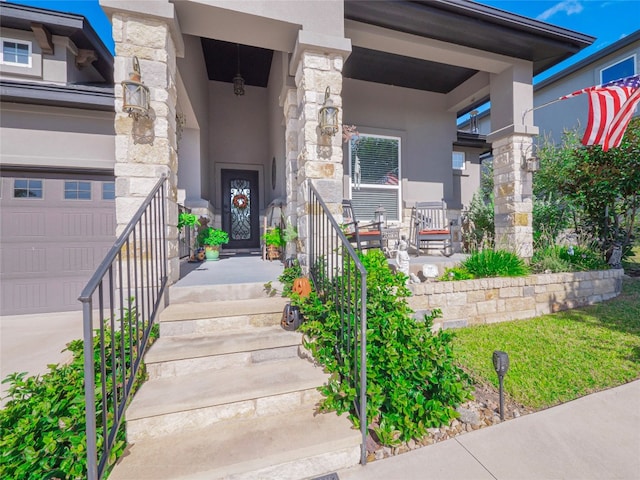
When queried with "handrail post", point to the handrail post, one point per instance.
{"points": [[89, 391]]}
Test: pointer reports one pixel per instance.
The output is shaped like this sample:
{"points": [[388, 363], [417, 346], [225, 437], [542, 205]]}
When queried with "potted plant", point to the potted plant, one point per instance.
{"points": [[212, 239], [189, 220], [273, 239]]}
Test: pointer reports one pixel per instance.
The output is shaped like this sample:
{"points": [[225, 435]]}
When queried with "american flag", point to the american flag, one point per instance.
{"points": [[611, 107]]}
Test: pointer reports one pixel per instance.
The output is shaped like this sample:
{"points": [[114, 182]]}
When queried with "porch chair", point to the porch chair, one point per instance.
{"points": [[361, 236], [429, 224]]}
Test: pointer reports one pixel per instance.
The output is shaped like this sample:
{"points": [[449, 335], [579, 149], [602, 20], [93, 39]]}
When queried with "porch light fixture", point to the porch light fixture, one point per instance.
{"points": [[501, 365], [531, 162], [381, 217], [328, 116], [238, 81], [135, 93]]}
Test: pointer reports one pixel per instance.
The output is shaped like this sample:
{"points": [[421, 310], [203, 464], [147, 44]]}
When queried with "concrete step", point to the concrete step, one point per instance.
{"points": [[211, 293], [212, 317], [169, 405], [183, 354], [292, 446]]}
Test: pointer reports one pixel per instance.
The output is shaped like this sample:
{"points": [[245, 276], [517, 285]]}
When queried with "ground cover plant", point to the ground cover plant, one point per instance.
{"points": [[43, 426], [412, 381], [488, 263], [563, 258], [559, 357]]}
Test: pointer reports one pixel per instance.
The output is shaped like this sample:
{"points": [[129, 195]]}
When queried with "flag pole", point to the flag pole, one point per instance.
{"points": [[539, 107]]}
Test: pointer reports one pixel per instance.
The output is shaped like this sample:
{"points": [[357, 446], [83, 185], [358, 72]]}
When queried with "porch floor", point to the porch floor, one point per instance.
{"points": [[250, 268]]}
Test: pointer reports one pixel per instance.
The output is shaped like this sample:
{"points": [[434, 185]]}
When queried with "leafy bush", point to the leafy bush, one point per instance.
{"points": [[494, 263], [412, 381], [456, 273], [550, 218], [289, 274], [557, 258], [43, 425]]}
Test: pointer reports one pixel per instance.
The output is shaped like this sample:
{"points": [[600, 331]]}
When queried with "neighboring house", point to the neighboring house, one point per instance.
{"points": [[618, 60], [56, 158]]}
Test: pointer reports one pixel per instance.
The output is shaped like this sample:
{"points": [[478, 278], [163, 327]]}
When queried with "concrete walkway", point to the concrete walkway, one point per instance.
{"points": [[595, 437]]}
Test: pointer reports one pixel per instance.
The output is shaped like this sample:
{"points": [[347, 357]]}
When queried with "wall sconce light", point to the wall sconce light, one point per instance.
{"points": [[381, 217], [135, 93], [501, 365], [531, 162], [328, 116], [238, 81]]}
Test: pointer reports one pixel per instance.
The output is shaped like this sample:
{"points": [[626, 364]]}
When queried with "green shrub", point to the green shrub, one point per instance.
{"points": [[557, 258], [498, 263], [43, 425], [478, 225], [288, 275], [456, 273], [412, 381]]}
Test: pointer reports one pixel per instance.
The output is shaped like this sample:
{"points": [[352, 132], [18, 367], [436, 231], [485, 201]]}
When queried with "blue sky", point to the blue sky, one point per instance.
{"points": [[608, 20]]}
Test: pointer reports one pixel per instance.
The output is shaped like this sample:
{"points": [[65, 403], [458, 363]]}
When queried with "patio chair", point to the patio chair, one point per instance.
{"points": [[429, 224], [361, 236]]}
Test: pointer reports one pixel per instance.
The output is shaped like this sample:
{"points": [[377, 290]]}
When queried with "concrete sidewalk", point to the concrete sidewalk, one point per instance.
{"points": [[594, 437]]}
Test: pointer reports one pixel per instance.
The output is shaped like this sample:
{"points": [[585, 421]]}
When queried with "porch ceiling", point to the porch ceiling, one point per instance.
{"points": [[455, 22]]}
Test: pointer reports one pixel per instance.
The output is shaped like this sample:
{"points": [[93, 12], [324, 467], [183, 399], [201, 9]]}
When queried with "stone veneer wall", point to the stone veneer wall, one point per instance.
{"points": [[491, 300]]}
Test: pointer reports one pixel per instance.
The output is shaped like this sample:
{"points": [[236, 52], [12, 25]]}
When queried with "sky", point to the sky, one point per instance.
{"points": [[607, 20]]}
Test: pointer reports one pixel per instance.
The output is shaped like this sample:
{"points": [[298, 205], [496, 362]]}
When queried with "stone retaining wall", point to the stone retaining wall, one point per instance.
{"points": [[490, 300]]}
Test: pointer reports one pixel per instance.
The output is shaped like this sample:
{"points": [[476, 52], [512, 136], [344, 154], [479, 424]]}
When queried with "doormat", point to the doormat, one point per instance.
{"points": [[329, 476]]}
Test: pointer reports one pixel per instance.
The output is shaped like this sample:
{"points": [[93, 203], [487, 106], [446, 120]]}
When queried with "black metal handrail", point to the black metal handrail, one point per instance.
{"points": [[339, 276], [129, 284]]}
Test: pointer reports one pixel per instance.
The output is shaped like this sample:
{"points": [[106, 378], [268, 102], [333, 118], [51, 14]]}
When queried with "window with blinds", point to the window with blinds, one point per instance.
{"points": [[375, 175]]}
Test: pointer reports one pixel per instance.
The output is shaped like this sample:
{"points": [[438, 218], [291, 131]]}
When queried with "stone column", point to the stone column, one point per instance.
{"points": [[291, 160], [513, 195], [317, 62], [511, 139], [146, 148]]}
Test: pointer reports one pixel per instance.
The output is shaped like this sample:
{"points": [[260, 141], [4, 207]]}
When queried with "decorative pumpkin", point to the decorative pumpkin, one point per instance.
{"points": [[302, 287]]}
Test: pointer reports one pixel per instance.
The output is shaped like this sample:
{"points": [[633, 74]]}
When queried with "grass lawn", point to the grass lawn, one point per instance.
{"points": [[559, 357]]}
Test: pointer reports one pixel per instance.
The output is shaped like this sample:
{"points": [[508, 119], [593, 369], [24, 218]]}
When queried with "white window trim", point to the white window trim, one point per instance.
{"points": [[13, 190], [464, 160], [77, 190], [377, 186], [613, 64], [16, 64]]}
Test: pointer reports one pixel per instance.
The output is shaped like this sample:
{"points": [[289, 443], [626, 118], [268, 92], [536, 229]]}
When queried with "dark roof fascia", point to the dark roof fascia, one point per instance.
{"points": [[412, 16], [60, 23], [100, 174], [87, 97], [600, 54], [472, 140], [513, 20]]}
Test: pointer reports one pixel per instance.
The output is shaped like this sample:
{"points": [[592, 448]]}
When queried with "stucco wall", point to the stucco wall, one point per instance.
{"points": [[426, 128], [238, 132], [491, 300], [35, 135]]}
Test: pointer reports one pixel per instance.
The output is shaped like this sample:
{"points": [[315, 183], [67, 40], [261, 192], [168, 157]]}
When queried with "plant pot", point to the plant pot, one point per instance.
{"points": [[212, 254], [273, 252]]}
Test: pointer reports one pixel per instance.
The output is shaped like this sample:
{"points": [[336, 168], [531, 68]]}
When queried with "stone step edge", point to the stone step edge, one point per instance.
{"points": [[303, 383], [155, 356], [222, 309]]}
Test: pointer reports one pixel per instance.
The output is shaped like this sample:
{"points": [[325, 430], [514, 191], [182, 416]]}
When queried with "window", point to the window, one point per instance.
{"points": [[622, 69], [15, 52], [27, 188], [458, 160], [77, 190], [108, 190], [375, 175]]}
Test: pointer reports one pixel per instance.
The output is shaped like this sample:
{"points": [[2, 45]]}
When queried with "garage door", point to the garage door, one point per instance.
{"points": [[54, 233]]}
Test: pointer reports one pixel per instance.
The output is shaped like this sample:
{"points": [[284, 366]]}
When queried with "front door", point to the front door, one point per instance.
{"points": [[240, 208]]}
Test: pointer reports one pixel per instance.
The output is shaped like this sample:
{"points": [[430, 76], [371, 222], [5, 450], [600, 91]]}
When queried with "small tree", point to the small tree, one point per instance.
{"points": [[600, 189]]}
